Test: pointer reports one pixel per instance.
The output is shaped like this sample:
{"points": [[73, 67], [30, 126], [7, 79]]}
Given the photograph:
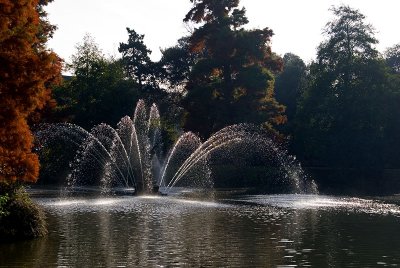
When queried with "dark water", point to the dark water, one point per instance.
{"points": [[247, 231]]}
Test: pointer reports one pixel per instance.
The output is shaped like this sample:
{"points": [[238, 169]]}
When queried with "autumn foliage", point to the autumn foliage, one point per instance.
{"points": [[27, 70]]}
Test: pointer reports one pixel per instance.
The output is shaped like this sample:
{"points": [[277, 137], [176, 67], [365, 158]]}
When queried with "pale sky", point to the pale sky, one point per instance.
{"points": [[297, 24]]}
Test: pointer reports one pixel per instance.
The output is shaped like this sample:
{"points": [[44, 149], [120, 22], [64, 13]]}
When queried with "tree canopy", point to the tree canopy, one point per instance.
{"points": [[135, 56], [341, 117], [289, 85], [232, 80], [27, 71], [176, 64], [342, 110], [392, 56], [98, 91]]}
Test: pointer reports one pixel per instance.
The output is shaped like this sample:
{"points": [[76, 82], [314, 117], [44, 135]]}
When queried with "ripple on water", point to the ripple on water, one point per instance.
{"points": [[320, 202], [124, 203], [251, 231]]}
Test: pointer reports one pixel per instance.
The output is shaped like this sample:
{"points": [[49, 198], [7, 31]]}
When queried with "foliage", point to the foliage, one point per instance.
{"points": [[289, 85], [20, 218], [232, 80], [349, 40], [3, 201], [151, 77], [176, 64], [392, 109], [136, 60], [392, 56], [98, 91], [341, 117], [27, 70]]}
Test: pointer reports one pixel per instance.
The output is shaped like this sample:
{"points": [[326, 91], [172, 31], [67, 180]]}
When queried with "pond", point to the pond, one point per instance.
{"points": [[225, 231]]}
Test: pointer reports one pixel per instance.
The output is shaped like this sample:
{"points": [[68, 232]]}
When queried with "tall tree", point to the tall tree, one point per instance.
{"points": [[135, 56], [233, 79], [27, 70], [392, 56], [98, 90], [289, 85], [176, 64], [341, 117], [392, 141], [350, 42]]}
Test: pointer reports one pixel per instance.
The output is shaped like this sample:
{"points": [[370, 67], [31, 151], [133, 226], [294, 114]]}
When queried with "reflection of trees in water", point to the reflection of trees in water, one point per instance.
{"points": [[163, 234], [32, 253], [311, 237], [333, 238], [169, 232]]}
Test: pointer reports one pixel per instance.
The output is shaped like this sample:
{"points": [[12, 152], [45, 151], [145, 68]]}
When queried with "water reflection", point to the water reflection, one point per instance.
{"points": [[254, 231]]}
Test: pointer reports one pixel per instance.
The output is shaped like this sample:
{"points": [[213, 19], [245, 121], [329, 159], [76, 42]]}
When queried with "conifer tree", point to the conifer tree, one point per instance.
{"points": [[135, 57], [232, 81], [27, 70]]}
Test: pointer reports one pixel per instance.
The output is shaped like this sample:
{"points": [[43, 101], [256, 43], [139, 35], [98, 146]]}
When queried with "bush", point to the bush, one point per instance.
{"points": [[20, 218], [3, 201]]}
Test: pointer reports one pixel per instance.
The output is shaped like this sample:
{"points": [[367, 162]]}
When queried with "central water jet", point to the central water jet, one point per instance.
{"points": [[130, 155]]}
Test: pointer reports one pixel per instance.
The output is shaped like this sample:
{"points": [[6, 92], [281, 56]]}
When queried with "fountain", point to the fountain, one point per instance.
{"points": [[130, 156], [186, 229]]}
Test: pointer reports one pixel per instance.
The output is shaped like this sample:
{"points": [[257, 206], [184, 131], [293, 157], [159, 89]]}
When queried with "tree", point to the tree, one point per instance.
{"points": [[88, 58], [392, 142], [289, 85], [135, 57], [98, 91], [232, 81], [27, 72], [341, 117], [176, 64], [392, 56], [140, 69]]}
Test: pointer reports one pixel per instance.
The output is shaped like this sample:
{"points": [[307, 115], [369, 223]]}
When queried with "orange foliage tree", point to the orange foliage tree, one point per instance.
{"points": [[27, 71]]}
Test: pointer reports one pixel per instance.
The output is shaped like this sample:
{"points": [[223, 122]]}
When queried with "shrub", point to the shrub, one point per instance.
{"points": [[3, 201], [20, 218]]}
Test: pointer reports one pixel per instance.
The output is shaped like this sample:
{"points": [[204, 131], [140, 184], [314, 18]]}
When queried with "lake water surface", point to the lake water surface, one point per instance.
{"points": [[227, 231]]}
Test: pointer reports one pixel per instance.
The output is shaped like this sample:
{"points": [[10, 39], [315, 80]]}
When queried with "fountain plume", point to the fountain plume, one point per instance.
{"points": [[131, 155]]}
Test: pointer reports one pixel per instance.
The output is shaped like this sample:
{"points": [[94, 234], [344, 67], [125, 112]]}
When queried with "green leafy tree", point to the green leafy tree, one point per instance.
{"points": [[232, 80], [392, 56], [176, 64], [341, 117], [289, 85], [98, 90], [392, 141]]}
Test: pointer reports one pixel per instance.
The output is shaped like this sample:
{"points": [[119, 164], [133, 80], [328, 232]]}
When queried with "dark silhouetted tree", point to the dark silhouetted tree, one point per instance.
{"points": [[233, 79], [392, 107], [289, 85], [341, 117], [176, 64], [392, 56], [136, 60]]}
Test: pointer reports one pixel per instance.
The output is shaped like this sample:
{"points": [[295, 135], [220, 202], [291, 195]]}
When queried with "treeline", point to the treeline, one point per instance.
{"points": [[343, 108], [340, 111]]}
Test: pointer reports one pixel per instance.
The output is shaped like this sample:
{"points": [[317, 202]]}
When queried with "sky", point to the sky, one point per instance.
{"points": [[297, 24]]}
